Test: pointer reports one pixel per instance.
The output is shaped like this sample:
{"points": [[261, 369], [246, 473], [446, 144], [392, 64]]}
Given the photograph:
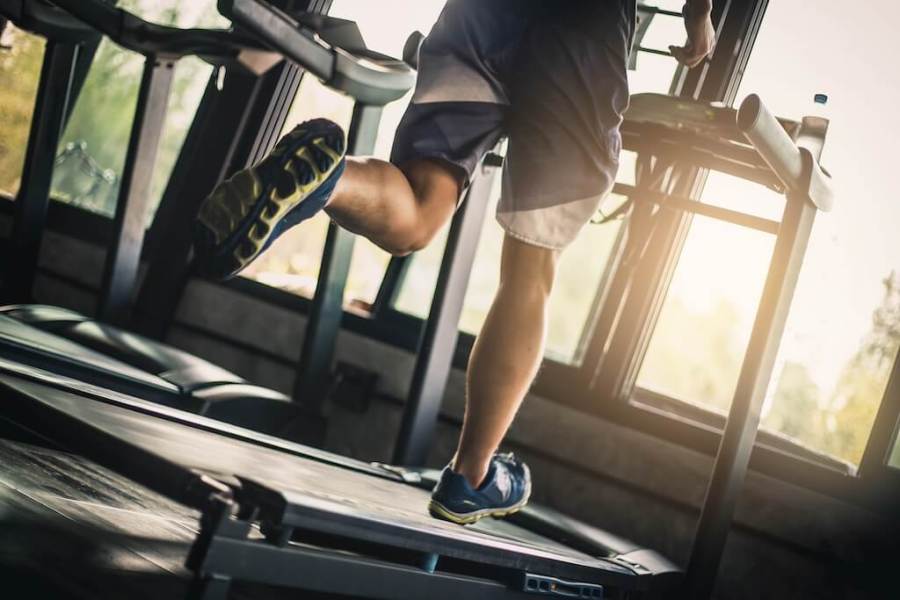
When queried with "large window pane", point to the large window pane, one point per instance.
{"points": [[93, 146], [20, 70], [698, 345]]}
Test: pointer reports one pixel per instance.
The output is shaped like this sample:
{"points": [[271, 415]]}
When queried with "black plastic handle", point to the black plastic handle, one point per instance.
{"points": [[46, 20], [793, 165], [136, 34], [369, 77]]}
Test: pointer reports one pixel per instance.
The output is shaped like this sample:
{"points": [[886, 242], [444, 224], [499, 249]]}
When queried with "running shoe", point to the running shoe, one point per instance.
{"points": [[246, 213], [504, 491]]}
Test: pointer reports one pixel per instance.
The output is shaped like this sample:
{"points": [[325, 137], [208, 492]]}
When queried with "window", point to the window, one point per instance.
{"points": [[292, 263], [92, 150], [21, 55], [697, 347], [843, 331]]}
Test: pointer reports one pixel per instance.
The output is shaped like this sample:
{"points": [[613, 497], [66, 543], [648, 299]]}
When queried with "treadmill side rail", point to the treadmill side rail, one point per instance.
{"points": [[559, 588]]}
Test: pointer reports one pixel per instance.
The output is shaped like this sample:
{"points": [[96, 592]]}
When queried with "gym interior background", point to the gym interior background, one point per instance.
{"points": [[800, 525]]}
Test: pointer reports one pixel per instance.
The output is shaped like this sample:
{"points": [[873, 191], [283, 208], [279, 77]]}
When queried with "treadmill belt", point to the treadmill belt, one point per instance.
{"points": [[310, 494]]}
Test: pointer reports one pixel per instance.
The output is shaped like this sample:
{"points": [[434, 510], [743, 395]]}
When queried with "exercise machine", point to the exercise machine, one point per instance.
{"points": [[332, 49]]}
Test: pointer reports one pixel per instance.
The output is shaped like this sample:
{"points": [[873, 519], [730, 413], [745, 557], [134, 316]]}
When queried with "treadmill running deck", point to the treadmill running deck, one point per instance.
{"points": [[297, 492]]}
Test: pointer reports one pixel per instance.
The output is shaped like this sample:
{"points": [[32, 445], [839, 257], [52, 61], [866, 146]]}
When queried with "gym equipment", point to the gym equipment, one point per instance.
{"points": [[331, 49], [751, 144], [162, 47], [329, 524], [71, 344]]}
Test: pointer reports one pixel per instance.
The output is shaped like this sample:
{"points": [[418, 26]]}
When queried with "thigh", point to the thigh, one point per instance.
{"points": [[568, 89], [459, 106]]}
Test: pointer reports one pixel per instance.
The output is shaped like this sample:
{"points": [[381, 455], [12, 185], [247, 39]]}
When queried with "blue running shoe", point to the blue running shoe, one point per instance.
{"points": [[246, 213], [505, 490]]}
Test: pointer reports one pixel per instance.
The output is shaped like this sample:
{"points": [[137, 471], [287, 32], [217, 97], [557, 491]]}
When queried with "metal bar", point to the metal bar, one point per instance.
{"points": [[275, 113], [391, 284], [30, 207], [129, 224], [646, 8], [695, 83], [324, 321], [654, 51], [83, 64], [739, 437], [346, 574], [626, 323], [884, 429], [700, 208], [204, 160], [438, 343]]}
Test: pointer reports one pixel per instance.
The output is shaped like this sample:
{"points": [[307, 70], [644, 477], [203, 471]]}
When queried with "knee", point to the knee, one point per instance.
{"points": [[410, 238], [529, 270]]}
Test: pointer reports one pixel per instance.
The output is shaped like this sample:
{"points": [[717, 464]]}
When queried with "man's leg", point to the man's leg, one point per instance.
{"points": [[507, 354], [399, 209]]}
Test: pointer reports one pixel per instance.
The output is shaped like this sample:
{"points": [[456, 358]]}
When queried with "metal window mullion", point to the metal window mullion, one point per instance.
{"points": [[30, 208], [884, 429], [391, 284]]}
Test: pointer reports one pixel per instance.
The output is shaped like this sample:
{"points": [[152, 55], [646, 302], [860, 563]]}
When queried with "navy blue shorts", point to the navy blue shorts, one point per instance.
{"points": [[549, 75]]}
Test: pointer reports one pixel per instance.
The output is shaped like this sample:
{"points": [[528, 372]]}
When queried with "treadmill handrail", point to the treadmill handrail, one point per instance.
{"points": [[795, 167], [368, 77], [47, 21], [142, 36]]}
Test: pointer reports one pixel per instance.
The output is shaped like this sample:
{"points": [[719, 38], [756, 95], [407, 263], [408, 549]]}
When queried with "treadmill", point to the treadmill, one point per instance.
{"points": [[274, 512]]}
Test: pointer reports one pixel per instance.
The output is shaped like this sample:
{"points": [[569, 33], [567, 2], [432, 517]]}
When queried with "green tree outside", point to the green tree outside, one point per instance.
{"points": [[839, 425], [20, 68]]}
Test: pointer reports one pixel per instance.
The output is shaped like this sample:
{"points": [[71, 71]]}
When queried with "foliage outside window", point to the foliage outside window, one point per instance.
{"points": [[20, 70], [92, 150]]}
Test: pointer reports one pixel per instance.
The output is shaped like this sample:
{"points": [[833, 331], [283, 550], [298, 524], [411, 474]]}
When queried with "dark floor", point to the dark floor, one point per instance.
{"points": [[72, 529]]}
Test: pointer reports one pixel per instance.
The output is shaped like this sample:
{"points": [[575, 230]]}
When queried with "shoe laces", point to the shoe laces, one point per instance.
{"points": [[507, 457]]}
